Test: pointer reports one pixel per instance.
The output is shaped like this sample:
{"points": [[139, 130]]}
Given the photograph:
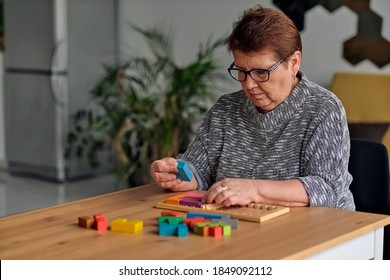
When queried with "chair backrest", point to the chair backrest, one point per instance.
{"points": [[369, 167], [368, 123]]}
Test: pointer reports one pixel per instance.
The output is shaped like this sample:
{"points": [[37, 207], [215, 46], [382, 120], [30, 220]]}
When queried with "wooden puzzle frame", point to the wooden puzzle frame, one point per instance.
{"points": [[253, 212]]}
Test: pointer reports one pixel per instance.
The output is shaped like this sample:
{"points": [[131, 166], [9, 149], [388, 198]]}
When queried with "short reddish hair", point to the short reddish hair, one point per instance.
{"points": [[264, 28]]}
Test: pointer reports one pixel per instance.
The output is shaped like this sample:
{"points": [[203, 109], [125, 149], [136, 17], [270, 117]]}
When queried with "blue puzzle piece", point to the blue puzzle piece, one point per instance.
{"points": [[182, 230], [208, 216], [166, 229], [184, 173]]}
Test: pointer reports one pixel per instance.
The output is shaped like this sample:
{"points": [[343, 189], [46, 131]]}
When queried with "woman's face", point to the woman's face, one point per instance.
{"points": [[268, 95]]}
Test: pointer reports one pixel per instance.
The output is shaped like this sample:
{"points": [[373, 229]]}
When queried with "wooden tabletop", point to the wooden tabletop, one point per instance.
{"points": [[53, 232]]}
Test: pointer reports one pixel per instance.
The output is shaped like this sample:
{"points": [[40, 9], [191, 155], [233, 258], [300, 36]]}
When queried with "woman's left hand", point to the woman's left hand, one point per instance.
{"points": [[232, 191]]}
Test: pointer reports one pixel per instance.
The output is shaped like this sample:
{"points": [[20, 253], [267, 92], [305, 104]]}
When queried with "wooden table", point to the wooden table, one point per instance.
{"points": [[53, 233]]}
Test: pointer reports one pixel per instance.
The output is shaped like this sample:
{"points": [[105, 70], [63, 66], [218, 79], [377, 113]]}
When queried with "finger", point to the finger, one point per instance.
{"points": [[164, 166], [170, 161], [179, 187], [234, 199], [214, 193], [164, 177], [211, 193], [169, 184], [223, 197], [231, 199]]}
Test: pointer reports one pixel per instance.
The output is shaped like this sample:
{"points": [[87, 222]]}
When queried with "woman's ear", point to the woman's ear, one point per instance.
{"points": [[295, 62]]}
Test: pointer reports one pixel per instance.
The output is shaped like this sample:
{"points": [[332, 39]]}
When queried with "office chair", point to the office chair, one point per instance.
{"points": [[369, 166]]}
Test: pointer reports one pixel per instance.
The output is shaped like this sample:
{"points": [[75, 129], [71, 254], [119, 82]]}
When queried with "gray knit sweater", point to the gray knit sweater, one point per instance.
{"points": [[306, 137]]}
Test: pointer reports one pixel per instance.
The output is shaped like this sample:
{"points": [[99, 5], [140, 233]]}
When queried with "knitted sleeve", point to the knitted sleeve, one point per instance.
{"points": [[197, 153], [326, 176]]}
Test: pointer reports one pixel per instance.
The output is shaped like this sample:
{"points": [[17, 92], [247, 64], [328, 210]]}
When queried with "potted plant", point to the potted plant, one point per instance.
{"points": [[148, 106]]}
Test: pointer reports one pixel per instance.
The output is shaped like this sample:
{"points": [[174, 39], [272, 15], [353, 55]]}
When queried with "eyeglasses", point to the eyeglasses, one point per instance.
{"points": [[259, 75]]}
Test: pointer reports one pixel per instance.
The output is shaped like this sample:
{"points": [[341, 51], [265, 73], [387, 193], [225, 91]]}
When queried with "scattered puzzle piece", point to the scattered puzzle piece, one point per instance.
{"points": [[101, 224], [195, 222], [172, 220], [226, 228], [191, 222], [136, 226], [123, 225], [98, 216], [215, 231], [198, 226], [120, 225], [204, 231], [182, 230], [86, 222], [232, 222], [173, 213], [203, 228], [165, 229], [207, 215]]}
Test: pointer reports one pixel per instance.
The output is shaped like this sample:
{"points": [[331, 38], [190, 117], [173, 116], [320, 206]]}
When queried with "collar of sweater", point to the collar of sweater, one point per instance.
{"points": [[284, 111]]}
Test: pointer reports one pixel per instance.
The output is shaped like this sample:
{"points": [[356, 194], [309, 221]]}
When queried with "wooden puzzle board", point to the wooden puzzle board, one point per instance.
{"points": [[254, 212]]}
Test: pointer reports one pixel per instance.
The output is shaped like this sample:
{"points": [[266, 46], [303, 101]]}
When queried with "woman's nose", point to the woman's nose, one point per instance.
{"points": [[249, 82]]}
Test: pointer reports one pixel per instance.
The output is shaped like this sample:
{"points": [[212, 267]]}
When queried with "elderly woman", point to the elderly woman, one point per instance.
{"points": [[281, 140]]}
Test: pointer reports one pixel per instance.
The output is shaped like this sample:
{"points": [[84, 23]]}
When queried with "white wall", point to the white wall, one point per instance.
{"points": [[192, 22], [195, 21]]}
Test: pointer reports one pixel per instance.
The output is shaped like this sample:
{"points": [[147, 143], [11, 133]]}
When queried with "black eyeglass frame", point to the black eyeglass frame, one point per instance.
{"points": [[248, 72]]}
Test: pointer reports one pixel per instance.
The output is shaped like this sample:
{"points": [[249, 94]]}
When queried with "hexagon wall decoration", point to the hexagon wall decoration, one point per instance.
{"points": [[368, 43]]}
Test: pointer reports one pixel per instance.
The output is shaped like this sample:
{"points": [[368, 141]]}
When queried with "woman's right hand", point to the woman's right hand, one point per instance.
{"points": [[163, 172]]}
